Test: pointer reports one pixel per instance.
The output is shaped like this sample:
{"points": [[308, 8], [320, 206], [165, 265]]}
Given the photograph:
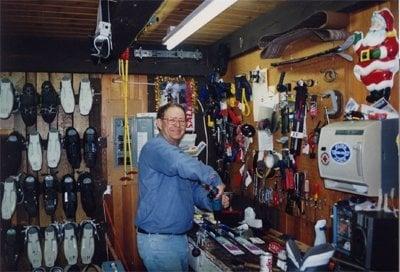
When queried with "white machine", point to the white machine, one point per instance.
{"points": [[359, 157]]}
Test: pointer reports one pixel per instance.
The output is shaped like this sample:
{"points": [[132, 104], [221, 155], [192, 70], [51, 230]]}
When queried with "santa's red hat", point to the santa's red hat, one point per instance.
{"points": [[387, 17]]}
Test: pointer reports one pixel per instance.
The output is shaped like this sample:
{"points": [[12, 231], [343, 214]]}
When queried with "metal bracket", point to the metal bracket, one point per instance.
{"points": [[141, 53]]}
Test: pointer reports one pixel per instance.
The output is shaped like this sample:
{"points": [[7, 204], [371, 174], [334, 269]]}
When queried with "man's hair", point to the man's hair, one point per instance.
{"points": [[161, 111]]}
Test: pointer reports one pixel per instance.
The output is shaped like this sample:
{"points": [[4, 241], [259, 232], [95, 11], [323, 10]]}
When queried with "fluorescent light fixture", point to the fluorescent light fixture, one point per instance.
{"points": [[203, 14]]}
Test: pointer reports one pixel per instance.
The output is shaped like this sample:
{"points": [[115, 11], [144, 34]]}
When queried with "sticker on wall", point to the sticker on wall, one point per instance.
{"points": [[340, 153], [325, 158]]}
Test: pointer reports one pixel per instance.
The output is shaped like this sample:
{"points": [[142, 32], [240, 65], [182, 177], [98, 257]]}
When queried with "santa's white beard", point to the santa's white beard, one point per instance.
{"points": [[374, 37]]}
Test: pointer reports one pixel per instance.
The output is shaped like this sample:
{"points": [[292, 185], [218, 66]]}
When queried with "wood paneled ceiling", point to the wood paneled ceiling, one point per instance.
{"points": [[171, 13], [78, 18], [49, 18], [33, 30]]}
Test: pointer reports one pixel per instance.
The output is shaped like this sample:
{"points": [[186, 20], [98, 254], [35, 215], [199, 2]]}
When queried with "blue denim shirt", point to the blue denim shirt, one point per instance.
{"points": [[169, 189]]}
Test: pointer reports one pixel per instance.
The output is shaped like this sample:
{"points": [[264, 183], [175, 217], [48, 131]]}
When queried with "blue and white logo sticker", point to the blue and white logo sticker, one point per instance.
{"points": [[340, 153]]}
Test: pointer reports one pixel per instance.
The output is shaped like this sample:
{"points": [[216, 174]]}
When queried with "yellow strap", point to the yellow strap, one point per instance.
{"points": [[123, 69], [245, 105], [210, 123], [129, 131], [232, 101], [233, 88]]}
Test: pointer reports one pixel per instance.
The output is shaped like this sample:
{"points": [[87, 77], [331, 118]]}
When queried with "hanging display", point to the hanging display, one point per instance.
{"points": [[178, 90], [378, 55]]}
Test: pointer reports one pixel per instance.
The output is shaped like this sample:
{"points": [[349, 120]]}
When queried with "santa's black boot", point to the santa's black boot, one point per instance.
{"points": [[386, 93], [374, 96]]}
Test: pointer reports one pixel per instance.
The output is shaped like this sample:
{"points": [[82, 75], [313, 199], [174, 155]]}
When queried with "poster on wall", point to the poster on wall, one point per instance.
{"points": [[177, 90]]}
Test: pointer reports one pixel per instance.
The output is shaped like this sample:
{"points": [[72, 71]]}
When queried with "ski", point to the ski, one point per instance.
{"points": [[297, 134], [229, 233], [224, 242], [338, 50]]}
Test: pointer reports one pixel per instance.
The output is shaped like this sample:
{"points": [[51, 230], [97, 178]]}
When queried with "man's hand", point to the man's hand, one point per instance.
{"points": [[225, 201], [221, 189]]}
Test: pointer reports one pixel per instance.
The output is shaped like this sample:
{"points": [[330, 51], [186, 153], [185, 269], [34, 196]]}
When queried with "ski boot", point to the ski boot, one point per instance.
{"points": [[56, 269], [35, 156], [34, 250], [9, 199], [70, 244], [53, 148], [89, 230], [51, 237], [50, 196], [30, 189], [10, 249], [88, 199], [69, 192]]}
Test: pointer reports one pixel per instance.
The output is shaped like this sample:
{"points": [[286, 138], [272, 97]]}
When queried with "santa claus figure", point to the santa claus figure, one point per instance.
{"points": [[378, 55]]}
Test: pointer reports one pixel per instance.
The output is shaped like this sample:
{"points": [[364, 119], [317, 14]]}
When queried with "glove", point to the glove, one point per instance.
{"points": [[375, 53], [357, 36]]}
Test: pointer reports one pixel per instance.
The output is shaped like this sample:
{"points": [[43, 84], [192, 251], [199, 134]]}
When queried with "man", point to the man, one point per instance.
{"points": [[168, 191], [378, 55]]}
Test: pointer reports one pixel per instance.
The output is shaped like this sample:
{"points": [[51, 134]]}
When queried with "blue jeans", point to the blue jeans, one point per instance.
{"points": [[161, 252]]}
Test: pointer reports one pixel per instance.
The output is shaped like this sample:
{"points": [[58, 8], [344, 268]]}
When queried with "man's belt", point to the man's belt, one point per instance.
{"points": [[140, 230]]}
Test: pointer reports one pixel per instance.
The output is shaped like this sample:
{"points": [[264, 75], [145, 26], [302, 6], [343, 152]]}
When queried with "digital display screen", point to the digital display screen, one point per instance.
{"points": [[349, 132]]}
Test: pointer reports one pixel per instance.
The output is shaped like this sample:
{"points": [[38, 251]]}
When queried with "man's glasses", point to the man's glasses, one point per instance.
{"points": [[175, 121]]}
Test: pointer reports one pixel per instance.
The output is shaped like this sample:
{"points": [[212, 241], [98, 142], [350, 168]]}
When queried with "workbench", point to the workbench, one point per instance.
{"points": [[213, 257]]}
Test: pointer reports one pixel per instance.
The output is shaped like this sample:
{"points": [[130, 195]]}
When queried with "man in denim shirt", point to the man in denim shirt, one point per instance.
{"points": [[168, 190]]}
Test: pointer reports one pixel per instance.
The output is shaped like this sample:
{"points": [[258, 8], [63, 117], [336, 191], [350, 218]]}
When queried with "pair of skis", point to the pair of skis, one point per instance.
{"points": [[338, 50], [297, 133], [225, 236]]}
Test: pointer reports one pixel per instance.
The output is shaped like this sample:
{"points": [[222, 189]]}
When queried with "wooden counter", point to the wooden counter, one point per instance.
{"points": [[220, 259]]}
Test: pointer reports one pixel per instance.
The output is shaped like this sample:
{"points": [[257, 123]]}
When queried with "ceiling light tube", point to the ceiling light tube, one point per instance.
{"points": [[203, 14]]}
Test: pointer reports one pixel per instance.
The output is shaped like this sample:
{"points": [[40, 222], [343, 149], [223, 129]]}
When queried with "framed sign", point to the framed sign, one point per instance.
{"points": [[178, 90]]}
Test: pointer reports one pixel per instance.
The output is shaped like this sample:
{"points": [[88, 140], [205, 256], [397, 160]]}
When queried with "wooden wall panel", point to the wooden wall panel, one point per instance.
{"points": [[42, 128], [63, 166], [81, 123], [302, 227], [124, 194]]}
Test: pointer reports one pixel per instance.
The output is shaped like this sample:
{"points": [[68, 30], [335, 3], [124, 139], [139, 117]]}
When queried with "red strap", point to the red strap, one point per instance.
{"points": [[125, 54], [312, 141], [289, 181], [236, 119], [275, 198], [224, 112]]}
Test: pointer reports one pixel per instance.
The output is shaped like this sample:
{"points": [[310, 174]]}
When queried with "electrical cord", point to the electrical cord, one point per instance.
{"points": [[105, 221], [117, 245], [102, 38], [103, 32]]}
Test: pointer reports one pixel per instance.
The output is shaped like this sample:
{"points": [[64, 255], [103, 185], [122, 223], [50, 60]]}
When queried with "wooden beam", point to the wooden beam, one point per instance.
{"points": [[278, 20], [128, 20], [73, 56]]}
